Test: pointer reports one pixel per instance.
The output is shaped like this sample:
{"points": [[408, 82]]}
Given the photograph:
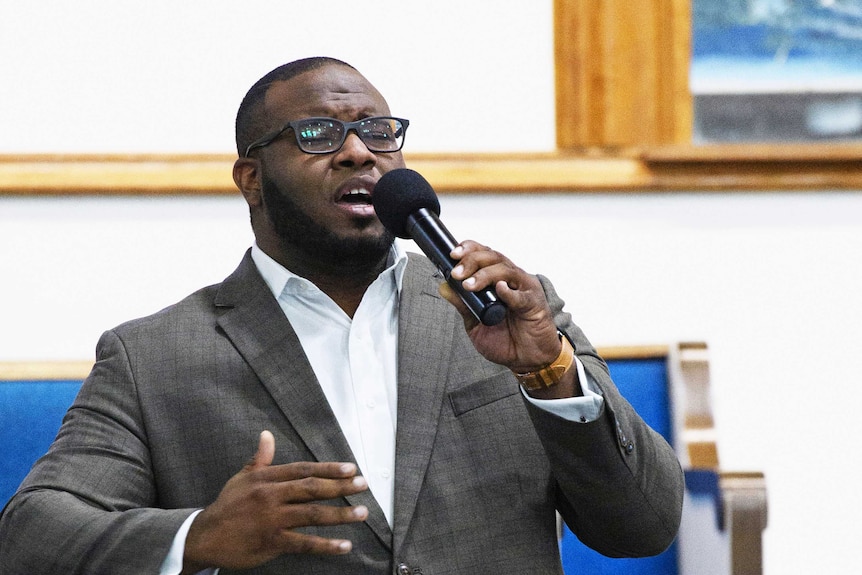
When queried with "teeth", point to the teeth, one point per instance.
{"points": [[357, 196]]}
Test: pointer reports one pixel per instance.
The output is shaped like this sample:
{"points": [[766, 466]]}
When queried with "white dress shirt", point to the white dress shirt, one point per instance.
{"points": [[355, 361]]}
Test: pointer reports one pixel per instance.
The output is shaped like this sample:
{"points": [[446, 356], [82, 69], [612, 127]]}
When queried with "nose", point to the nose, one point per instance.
{"points": [[354, 152]]}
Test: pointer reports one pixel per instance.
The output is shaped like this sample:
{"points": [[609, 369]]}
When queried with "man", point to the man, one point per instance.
{"points": [[392, 434]]}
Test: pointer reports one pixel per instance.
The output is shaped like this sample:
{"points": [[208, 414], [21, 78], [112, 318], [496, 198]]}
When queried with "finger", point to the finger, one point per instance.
{"points": [[265, 452], [516, 297], [306, 515], [317, 489], [447, 293], [303, 469], [293, 542], [472, 256], [468, 246], [480, 267]]}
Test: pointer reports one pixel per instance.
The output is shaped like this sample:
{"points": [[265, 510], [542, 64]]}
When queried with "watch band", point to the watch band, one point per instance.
{"points": [[552, 373]]}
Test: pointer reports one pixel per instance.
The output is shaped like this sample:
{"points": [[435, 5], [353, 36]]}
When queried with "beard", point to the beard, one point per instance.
{"points": [[297, 230]]}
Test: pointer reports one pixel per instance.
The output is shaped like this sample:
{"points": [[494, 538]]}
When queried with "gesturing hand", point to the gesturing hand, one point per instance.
{"points": [[255, 516]]}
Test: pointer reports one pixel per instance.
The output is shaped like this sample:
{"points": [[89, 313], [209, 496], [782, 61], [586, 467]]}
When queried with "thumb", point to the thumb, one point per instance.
{"points": [[265, 451], [449, 294]]}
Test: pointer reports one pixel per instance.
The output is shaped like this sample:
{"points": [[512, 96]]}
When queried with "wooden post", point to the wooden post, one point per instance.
{"points": [[622, 73]]}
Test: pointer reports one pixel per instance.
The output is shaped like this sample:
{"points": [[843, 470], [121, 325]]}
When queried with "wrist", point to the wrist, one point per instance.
{"points": [[551, 374]]}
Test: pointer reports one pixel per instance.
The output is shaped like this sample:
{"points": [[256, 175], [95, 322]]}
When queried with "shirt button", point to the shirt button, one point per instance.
{"points": [[403, 569]]}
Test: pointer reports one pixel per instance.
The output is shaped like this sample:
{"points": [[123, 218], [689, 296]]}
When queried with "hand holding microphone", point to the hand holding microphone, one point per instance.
{"points": [[408, 207]]}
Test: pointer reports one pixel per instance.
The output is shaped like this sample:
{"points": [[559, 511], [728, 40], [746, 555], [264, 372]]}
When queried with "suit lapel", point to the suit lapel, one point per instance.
{"points": [[423, 350], [255, 323]]}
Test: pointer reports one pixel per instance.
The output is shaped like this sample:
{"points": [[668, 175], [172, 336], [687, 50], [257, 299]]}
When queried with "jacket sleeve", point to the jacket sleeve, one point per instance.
{"points": [[89, 505], [619, 484]]}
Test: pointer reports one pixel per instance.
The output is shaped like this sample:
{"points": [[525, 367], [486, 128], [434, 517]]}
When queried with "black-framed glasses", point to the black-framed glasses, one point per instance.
{"points": [[327, 135]]}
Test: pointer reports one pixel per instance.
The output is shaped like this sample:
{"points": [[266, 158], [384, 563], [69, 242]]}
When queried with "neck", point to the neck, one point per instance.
{"points": [[346, 296], [345, 282]]}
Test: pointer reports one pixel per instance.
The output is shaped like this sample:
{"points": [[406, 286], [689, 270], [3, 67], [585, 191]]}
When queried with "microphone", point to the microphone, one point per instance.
{"points": [[408, 207]]}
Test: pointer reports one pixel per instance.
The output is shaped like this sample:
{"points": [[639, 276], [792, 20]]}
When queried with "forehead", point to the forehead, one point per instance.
{"points": [[333, 90]]}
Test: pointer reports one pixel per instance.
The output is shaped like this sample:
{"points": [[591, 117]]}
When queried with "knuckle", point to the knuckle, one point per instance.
{"points": [[317, 515], [260, 493], [305, 544], [307, 489]]}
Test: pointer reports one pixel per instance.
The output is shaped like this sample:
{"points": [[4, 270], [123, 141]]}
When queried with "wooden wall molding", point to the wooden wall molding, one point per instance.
{"points": [[733, 168], [44, 370]]}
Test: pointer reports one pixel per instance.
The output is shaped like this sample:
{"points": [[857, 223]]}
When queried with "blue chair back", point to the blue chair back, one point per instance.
{"points": [[30, 416], [644, 383]]}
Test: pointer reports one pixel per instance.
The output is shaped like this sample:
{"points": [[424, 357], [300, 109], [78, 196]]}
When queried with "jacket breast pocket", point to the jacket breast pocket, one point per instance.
{"points": [[500, 460], [482, 393]]}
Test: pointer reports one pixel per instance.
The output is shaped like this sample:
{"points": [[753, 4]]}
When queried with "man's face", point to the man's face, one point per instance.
{"points": [[320, 204]]}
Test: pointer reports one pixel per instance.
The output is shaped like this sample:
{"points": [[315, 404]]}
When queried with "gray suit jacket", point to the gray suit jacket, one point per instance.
{"points": [[176, 401]]}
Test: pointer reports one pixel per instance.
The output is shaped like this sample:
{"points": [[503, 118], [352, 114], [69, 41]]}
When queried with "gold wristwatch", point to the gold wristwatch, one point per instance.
{"points": [[552, 373]]}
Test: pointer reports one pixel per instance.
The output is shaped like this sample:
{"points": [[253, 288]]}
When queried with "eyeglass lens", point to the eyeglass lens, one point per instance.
{"points": [[321, 135]]}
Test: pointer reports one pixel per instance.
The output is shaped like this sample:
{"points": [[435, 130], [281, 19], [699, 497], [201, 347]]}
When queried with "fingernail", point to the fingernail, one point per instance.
{"points": [[469, 282], [346, 468], [360, 481], [458, 270], [457, 251], [345, 546], [360, 511]]}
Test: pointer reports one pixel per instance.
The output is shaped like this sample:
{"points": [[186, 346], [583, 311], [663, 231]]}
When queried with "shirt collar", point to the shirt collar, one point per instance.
{"points": [[277, 276]]}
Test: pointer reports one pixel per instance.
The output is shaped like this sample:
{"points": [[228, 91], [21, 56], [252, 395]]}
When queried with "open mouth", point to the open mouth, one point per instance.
{"points": [[357, 196], [356, 199]]}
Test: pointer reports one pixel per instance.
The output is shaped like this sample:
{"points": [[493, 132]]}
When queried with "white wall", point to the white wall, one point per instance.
{"points": [[161, 75], [770, 281]]}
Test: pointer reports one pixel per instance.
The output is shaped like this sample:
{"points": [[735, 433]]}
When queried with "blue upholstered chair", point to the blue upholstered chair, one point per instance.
{"points": [[724, 513], [33, 399]]}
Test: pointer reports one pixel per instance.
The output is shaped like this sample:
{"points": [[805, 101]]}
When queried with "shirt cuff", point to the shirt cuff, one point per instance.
{"points": [[173, 563], [584, 409]]}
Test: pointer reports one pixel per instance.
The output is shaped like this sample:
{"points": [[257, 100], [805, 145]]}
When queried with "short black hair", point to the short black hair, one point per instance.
{"points": [[250, 120]]}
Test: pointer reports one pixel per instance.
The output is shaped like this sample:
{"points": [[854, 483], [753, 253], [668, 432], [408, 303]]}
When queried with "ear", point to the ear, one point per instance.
{"points": [[246, 176]]}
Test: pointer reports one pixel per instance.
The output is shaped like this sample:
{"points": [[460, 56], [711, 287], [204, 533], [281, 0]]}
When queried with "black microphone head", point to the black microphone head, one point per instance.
{"points": [[398, 194]]}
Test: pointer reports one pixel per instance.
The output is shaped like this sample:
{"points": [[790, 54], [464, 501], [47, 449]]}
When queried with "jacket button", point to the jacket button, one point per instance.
{"points": [[403, 569], [630, 446]]}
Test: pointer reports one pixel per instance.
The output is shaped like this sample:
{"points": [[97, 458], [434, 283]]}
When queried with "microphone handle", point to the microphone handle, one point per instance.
{"points": [[436, 242]]}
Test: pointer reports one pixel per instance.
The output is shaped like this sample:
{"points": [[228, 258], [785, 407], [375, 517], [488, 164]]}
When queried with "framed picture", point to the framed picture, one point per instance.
{"points": [[776, 70]]}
